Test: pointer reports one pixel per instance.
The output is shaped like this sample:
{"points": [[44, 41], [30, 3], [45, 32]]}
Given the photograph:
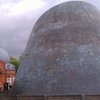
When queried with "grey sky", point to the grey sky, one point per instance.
{"points": [[17, 18]]}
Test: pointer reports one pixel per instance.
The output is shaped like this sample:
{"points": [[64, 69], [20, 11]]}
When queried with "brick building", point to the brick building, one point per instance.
{"points": [[7, 70]]}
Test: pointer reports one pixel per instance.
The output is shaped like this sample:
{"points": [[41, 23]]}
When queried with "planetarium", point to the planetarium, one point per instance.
{"points": [[62, 56]]}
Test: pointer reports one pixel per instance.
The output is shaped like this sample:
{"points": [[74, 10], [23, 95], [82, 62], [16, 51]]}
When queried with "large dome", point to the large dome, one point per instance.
{"points": [[4, 56], [62, 56]]}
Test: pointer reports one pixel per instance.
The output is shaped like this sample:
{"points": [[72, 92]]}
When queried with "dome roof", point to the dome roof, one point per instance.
{"points": [[62, 56], [4, 56]]}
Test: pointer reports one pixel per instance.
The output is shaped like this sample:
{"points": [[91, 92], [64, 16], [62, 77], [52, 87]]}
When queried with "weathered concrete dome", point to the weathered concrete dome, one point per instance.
{"points": [[4, 56], [62, 56]]}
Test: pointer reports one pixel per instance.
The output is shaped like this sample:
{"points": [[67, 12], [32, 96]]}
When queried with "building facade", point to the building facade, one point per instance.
{"points": [[7, 71]]}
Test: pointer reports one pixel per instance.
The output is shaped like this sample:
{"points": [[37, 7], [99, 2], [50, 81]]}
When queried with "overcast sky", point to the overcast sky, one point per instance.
{"points": [[17, 17]]}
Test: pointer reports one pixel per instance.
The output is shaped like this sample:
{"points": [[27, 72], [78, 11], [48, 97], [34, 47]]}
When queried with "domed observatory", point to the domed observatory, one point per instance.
{"points": [[62, 56], [4, 56]]}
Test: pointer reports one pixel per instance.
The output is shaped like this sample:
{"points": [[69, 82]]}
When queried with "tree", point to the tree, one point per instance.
{"points": [[15, 62]]}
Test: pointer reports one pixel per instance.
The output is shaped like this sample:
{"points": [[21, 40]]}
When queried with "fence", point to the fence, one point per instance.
{"points": [[77, 97]]}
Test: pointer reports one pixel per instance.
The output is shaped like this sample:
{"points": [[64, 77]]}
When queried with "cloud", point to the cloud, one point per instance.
{"points": [[16, 23], [25, 6]]}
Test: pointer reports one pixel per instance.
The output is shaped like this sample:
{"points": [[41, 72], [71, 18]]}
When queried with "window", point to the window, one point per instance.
{"points": [[13, 79], [9, 80]]}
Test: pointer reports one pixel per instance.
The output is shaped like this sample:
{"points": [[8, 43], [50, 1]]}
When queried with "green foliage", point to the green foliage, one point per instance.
{"points": [[15, 62]]}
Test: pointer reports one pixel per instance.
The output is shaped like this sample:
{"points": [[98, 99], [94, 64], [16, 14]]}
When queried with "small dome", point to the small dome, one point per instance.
{"points": [[4, 56]]}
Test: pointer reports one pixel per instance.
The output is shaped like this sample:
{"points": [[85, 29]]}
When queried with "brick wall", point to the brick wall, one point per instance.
{"points": [[2, 75]]}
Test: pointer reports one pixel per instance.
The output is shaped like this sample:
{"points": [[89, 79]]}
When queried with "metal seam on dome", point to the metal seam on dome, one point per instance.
{"points": [[86, 9]]}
